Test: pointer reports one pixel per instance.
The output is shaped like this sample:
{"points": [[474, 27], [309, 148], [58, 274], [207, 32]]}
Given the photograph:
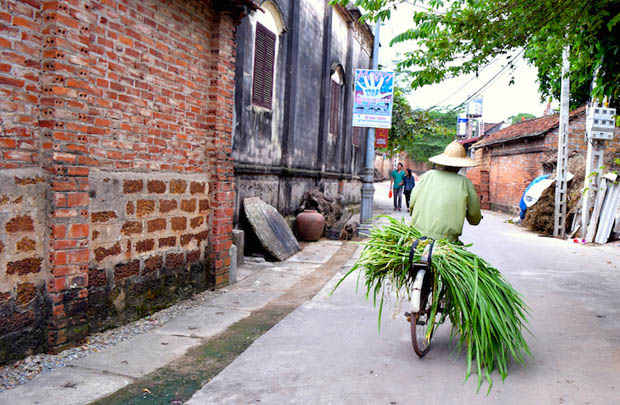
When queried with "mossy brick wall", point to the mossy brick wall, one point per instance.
{"points": [[148, 240], [118, 90], [23, 268]]}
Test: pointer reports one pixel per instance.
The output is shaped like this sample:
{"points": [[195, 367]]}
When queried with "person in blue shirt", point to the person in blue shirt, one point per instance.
{"points": [[396, 183], [409, 183]]}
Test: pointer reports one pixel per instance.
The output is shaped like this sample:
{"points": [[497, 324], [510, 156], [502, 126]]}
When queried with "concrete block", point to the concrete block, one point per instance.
{"points": [[239, 241], [270, 280], [246, 299], [203, 322], [317, 252], [138, 356], [232, 269], [67, 385]]}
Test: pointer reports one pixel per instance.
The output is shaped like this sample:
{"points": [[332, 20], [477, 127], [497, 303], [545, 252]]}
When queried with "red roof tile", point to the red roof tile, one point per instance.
{"points": [[528, 128]]}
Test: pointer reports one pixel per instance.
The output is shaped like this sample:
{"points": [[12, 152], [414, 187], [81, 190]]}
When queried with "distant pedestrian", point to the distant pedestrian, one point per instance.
{"points": [[397, 181], [409, 185]]}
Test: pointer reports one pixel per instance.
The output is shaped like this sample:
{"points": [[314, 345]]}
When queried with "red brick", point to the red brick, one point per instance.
{"points": [[125, 270], [102, 216], [145, 207], [178, 223], [24, 266], [166, 206], [188, 205], [22, 223], [167, 242], [156, 225], [77, 199], [156, 186], [131, 227], [78, 231], [77, 256], [145, 245], [132, 186], [25, 293], [178, 186], [153, 263], [11, 81]]}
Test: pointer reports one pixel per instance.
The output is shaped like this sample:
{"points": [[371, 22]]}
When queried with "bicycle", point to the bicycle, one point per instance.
{"points": [[421, 316]]}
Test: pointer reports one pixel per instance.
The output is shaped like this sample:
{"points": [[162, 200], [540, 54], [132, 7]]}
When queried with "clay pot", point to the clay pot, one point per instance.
{"points": [[310, 225]]}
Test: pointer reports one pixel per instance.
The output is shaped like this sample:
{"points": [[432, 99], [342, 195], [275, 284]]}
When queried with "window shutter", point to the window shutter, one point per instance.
{"points": [[356, 136], [264, 59], [334, 108]]}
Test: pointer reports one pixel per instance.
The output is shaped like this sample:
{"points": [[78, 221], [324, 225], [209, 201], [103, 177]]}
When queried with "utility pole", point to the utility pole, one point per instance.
{"points": [[599, 128], [559, 223], [368, 189]]}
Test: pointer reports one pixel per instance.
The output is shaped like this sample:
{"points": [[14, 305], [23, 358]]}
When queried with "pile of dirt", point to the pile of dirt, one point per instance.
{"points": [[336, 216], [540, 217]]}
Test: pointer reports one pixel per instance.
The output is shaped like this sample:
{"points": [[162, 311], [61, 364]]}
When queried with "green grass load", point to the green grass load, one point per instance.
{"points": [[486, 313]]}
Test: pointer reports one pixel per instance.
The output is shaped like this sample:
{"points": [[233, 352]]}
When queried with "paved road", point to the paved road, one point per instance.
{"points": [[329, 351]]}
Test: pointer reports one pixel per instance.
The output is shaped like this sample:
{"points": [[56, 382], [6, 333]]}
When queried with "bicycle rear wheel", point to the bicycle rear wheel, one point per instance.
{"points": [[419, 326]]}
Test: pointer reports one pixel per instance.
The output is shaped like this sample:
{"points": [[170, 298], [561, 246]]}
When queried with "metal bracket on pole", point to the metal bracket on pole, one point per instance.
{"points": [[559, 223], [599, 127]]}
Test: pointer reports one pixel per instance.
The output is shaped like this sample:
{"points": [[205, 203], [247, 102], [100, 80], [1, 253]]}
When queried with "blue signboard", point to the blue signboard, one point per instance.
{"points": [[373, 99]]}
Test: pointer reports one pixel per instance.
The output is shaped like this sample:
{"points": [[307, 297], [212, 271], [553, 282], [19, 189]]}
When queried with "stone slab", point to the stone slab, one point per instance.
{"points": [[138, 356], [317, 252], [270, 280], [245, 299], [203, 322], [271, 228], [239, 241], [67, 386]]}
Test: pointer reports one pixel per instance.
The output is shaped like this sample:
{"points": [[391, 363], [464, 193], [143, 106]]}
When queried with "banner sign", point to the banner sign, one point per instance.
{"points": [[373, 99], [381, 137]]}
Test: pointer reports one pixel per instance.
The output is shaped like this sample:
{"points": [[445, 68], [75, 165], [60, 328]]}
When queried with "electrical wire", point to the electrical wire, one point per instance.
{"points": [[488, 83]]}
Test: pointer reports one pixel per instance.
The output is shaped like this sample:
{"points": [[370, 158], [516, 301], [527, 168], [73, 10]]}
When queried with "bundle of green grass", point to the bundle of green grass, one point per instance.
{"points": [[486, 313]]}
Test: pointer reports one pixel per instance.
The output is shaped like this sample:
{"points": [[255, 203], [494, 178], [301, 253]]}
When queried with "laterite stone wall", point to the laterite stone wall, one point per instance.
{"points": [[116, 194]]}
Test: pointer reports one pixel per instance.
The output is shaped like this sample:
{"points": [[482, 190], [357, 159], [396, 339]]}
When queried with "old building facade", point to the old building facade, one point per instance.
{"points": [[115, 161], [511, 158], [295, 73]]}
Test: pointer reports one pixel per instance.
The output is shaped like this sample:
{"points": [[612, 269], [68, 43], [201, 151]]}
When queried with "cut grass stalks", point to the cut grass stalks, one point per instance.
{"points": [[486, 313]]}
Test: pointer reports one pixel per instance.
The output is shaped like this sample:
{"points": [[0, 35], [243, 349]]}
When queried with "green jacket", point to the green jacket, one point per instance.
{"points": [[440, 203]]}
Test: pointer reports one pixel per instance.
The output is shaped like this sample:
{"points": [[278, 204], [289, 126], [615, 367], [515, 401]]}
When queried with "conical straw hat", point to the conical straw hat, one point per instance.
{"points": [[454, 155]]}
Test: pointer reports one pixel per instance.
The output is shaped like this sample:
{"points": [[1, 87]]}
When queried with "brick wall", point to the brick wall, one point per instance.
{"points": [[123, 112], [511, 166], [385, 165]]}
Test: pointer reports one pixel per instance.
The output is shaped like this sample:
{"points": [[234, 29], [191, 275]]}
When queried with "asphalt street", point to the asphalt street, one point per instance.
{"points": [[329, 350]]}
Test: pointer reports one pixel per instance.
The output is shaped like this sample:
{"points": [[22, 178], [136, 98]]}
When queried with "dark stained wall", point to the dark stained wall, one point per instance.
{"points": [[283, 152]]}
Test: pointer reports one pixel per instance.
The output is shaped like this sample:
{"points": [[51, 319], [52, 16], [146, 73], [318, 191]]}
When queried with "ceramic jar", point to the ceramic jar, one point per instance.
{"points": [[310, 224]]}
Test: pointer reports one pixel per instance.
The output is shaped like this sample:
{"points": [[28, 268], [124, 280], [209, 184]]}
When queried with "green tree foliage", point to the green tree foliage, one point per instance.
{"points": [[514, 119], [419, 133], [453, 38]]}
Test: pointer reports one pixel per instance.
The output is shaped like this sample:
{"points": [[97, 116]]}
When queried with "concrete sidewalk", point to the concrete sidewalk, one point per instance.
{"points": [[101, 374]]}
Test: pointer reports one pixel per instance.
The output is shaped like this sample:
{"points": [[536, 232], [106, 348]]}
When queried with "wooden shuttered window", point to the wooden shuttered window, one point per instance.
{"points": [[334, 108], [356, 136], [264, 58]]}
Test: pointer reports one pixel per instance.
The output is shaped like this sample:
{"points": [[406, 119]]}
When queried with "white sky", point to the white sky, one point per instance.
{"points": [[501, 100]]}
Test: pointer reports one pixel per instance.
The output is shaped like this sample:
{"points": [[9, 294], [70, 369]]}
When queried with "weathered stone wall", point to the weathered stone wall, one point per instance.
{"points": [[23, 264], [145, 228], [283, 151], [122, 113]]}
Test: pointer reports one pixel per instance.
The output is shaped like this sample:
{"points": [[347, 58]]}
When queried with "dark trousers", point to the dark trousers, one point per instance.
{"points": [[398, 197], [407, 196]]}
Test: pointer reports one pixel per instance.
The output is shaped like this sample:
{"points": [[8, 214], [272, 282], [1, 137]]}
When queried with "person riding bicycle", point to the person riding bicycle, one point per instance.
{"points": [[443, 199]]}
